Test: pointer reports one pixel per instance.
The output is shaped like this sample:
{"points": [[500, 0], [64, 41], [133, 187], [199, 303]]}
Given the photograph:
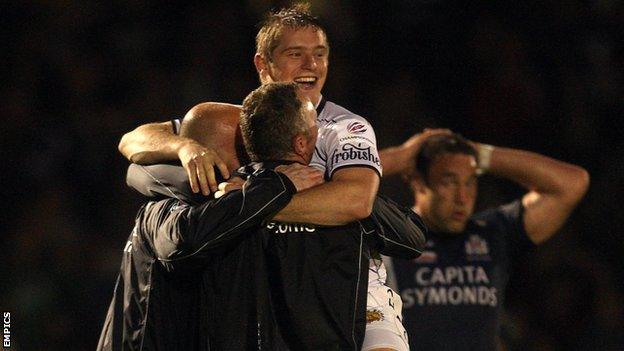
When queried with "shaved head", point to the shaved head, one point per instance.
{"points": [[215, 125]]}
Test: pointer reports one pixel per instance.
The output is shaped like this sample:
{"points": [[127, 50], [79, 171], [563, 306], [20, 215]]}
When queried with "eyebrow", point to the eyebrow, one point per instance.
{"points": [[300, 47], [455, 175]]}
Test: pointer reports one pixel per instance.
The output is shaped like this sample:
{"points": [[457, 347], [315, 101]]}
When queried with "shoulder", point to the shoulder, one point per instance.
{"points": [[508, 210], [502, 219], [214, 111], [338, 114]]}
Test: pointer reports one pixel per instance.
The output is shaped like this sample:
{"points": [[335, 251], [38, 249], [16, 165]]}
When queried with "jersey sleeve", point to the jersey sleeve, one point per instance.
{"points": [[175, 125], [347, 141], [162, 181], [184, 236], [396, 231]]}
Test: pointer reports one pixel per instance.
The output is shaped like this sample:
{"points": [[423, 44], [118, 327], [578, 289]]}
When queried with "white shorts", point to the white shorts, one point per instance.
{"points": [[384, 326]]}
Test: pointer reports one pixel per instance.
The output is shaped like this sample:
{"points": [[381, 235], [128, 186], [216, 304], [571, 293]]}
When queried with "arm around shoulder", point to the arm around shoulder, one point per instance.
{"points": [[151, 143], [348, 197]]}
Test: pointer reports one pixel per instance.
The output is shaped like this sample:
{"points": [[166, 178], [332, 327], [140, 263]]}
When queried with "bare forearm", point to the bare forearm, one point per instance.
{"points": [[327, 204], [151, 143], [348, 197], [395, 160], [539, 173], [556, 188]]}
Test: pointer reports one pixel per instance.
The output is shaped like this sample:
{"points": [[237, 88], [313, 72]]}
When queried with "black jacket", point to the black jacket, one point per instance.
{"points": [[296, 286], [159, 303]]}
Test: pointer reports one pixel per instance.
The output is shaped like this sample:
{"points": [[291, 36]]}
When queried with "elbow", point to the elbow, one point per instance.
{"points": [[131, 153], [580, 185], [361, 208], [126, 149], [584, 180], [123, 147]]}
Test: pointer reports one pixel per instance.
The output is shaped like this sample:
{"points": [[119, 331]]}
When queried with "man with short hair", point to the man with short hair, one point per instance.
{"points": [[292, 46], [453, 294]]}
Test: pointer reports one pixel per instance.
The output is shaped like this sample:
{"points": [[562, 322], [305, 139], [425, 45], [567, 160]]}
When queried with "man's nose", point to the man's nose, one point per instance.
{"points": [[461, 196], [309, 61]]}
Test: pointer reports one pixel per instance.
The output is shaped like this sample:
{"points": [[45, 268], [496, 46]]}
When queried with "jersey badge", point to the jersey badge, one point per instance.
{"points": [[356, 128], [477, 249]]}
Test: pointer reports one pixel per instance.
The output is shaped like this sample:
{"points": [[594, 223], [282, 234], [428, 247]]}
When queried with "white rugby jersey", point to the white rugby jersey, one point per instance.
{"points": [[344, 139], [347, 140]]}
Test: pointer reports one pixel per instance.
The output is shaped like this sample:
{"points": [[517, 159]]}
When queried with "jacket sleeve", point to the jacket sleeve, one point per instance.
{"points": [[162, 181], [394, 230], [183, 236]]}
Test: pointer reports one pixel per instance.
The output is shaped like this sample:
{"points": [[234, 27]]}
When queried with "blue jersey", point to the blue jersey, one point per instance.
{"points": [[453, 294]]}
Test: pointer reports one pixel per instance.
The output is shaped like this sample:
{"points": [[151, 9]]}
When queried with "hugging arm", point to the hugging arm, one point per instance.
{"points": [[184, 236], [394, 230]]}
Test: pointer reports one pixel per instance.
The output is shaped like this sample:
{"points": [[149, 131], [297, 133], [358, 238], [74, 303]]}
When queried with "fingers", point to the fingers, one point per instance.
{"points": [[222, 167], [199, 163], [191, 172], [226, 187], [206, 175], [414, 142], [303, 177]]}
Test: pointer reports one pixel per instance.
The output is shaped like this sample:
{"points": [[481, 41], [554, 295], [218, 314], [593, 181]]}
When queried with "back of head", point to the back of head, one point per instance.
{"points": [[437, 145], [297, 16], [271, 117], [215, 125]]}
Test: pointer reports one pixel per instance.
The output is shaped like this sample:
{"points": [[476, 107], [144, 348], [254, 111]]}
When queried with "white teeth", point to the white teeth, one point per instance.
{"points": [[305, 80]]}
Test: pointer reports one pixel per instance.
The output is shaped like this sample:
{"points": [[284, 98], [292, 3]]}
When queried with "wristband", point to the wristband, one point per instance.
{"points": [[485, 157]]}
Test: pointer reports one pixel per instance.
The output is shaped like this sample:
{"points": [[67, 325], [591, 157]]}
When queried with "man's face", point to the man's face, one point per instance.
{"points": [[309, 114], [300, 57], [447, 200]]}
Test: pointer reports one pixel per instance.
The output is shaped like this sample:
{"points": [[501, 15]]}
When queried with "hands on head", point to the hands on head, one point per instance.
{"points": [[414, 143]]}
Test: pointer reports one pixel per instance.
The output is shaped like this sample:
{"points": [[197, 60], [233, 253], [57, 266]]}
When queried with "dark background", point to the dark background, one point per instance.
{"points": [[545, 76]]}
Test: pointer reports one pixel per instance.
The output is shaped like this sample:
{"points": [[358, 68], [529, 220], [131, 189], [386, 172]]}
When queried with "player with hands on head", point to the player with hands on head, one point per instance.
{"points": [[453, 294]]}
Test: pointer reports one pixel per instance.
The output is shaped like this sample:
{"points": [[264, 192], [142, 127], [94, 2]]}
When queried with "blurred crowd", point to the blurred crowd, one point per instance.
{"points": [[541, 76]]}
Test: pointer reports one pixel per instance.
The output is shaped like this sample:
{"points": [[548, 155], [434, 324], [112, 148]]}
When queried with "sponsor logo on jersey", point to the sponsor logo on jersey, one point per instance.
{"points": [[477, 248], [355, 137], [283, 228], [356, 128], [351, 152], [374, 315], [451, 285]]}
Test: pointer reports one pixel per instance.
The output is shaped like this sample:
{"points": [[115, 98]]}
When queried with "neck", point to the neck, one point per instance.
{"points": [[295, 158]]}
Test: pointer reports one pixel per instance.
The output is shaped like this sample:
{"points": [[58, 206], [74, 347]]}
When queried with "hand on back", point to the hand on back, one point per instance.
{"points": [[199, 162]]}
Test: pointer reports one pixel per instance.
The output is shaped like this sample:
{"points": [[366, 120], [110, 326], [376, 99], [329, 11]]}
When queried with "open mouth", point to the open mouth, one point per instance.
{"points": [[306, 82]]}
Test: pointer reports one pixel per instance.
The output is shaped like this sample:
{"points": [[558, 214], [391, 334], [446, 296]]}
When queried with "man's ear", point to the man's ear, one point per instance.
{"points": [[418, 185], [299, 143], [262, 68]]}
